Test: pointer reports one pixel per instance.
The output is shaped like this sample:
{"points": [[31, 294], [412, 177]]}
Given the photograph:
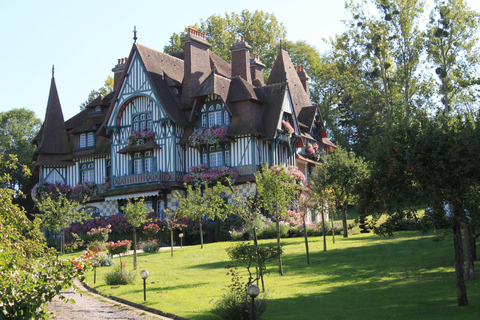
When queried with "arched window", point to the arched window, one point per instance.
{"points": [[91, 139], [137, 163], [87, 172], [214, 113], [83, 140]]}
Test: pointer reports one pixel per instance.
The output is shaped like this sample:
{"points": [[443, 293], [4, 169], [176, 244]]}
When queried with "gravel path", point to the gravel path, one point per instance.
{"points": [[94, 307]]}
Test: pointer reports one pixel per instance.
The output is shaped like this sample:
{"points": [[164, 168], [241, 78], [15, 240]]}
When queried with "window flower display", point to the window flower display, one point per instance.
{"points": [[139, 137], [200, 174], [212, 136], [47, 189], [287, 128]]}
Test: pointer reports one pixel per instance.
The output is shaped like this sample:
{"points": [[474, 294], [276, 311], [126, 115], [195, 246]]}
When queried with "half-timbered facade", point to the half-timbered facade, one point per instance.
{"points": [[170, 113]]}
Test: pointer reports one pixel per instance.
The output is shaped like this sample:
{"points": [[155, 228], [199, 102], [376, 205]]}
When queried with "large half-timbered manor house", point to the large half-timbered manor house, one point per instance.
{"points": [[138, 139]]}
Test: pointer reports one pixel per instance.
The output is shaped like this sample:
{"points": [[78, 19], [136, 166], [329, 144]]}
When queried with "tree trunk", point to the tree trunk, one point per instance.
{"points": [[201, 232], [171, 241], [62, 241], [459, 266], [280, 267], [306, 241], [469, 244], [255, 243], [324, 232], [333, 226], [344, 219], [134, 249]]}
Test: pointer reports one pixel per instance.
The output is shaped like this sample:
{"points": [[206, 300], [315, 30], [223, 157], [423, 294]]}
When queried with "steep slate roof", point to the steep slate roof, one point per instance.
{"points": [[284, 71], [52, 139], [162, 70], [273, 96]]}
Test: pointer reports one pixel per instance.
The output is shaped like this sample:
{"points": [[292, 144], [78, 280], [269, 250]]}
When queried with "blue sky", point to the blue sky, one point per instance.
{"points": [[84, 39]]}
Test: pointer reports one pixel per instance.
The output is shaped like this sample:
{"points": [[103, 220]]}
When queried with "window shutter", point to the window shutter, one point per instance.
{"points": [[130, 167], [154, 164]]}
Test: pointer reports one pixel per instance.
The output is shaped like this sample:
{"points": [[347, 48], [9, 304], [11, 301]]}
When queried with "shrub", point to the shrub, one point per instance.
{"points": [[106, 261], [96, 246], [119, 276], [149, 246], [235, 304]]}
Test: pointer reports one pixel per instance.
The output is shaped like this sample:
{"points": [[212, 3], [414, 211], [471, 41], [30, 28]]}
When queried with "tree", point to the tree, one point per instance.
{"points": [[433, 163], [17, 129], [136, 212], [341, 171], [276, 188], [261, 30], [453, 50], [31, 274], [201, 202], [105, 90], [58, 213]]}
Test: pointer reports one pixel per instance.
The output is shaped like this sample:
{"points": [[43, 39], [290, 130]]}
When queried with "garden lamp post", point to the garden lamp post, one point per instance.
{"points": [[144, 276], [181, 240], [253, 291]]}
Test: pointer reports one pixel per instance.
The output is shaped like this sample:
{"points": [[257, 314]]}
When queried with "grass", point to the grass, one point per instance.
{"points": [[409, 276]]}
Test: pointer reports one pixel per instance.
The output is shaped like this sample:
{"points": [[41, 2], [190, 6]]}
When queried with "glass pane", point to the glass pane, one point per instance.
{"points": [[227, 158], [226, 118], [83, 140], [137, 166], [149, 125], [90, 140], [148, 165], [136, 126]]}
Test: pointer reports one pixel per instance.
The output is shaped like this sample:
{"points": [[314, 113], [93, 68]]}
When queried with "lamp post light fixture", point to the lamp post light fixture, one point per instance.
{"points": [[144, 276], [253, 291], [181, 239]]}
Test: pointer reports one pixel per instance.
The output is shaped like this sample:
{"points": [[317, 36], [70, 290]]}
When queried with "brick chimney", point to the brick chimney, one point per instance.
{"points": [[256, 70], [196, 62], [302, 74], [241, 60], [118, 73]]}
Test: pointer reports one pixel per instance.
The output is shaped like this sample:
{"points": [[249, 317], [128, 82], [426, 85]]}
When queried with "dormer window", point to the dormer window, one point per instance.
{"points": [[86, 140], [214, 114], [98, 109]]}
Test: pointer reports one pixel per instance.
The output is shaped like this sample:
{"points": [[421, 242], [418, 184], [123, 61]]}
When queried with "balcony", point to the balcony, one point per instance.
{"points": [[136, 179]]}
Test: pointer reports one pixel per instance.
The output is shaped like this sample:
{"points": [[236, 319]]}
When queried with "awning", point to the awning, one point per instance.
{"points": [[302, 158], [132, 195]]}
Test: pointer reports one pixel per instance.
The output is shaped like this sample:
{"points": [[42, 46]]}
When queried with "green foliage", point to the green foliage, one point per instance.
{"points": [[452, 47], [119, 276], [17, 129], [30, 274], [105, 90], [201, 202], [261, 30], [59, 213], [235, 304]]}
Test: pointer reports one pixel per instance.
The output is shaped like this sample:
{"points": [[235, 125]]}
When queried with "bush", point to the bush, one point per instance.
{"points": [[149, 246], [96, 246], [119, 276], [235, 304], [106, 261]]}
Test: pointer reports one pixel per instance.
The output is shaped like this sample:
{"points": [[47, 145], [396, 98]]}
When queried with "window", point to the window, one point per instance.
{"points": [[54, 176], [212, 114], [87, 172], [143, 120], [98, 109], [216, 156], [143, 162], [148, 161], [83, 140], [216, 159], [91, 139], [215, 118], [149, 206], [137, 163]]}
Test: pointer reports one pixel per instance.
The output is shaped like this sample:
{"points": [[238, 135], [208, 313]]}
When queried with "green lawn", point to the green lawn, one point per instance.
{"points": [[409, 276]]}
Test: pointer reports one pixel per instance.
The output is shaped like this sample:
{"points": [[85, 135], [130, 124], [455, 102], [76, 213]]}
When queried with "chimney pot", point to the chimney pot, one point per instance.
{"points": [[242, 38]]}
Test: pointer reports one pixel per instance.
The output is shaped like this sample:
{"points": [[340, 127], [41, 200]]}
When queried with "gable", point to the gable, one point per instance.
{"points": [[288, 109], [136, 83]]}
